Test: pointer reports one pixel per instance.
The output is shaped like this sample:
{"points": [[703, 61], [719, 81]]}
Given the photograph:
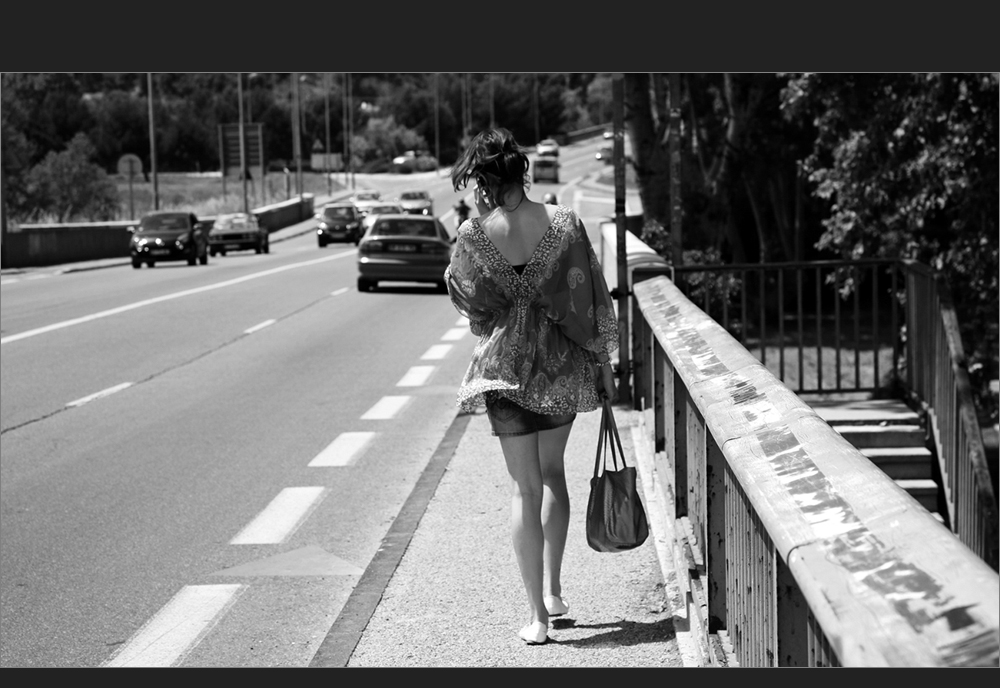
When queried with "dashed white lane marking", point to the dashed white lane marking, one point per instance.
{"points": [[168, 297], [98, 395], [281, 517], [9, 281], [339, 291], [438, 351], [415, 376], [344, 450], [260, 326], [454, 334], [462, 322], [178, 627], [386, 408]]}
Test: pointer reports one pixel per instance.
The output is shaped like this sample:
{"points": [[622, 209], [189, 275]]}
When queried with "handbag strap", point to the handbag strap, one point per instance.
{"points": [[608, 438]]}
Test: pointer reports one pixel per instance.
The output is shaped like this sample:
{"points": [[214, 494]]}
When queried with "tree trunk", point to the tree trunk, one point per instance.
{"points": [[650, 155]]}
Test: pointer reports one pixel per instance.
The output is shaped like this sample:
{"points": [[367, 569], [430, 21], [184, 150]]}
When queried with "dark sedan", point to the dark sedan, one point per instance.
{"points": [[404, 248], [169, 235], [338, 222]]}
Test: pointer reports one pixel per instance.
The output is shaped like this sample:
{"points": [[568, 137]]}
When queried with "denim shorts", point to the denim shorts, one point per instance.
{"points": [[509, 419]]}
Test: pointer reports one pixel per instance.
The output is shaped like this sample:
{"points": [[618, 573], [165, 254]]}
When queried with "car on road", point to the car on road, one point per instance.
{"points": [[169, 235], [605, 154], [338, 222], [416, 202], [545, 168], [404, 248], [379, 209], [238, 232], [547, 147], [365, 195], [609, 134]]}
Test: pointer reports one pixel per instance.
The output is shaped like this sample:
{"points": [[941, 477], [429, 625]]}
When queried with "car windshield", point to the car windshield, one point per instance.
{"points": [[234, 221], [413, 196], [367, 195], [403, 227], [164, 222], [384, 209], [338, 213]]}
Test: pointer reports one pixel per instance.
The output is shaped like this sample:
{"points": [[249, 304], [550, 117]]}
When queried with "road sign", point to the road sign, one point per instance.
{"points": [[229, 139], [130, 164]]}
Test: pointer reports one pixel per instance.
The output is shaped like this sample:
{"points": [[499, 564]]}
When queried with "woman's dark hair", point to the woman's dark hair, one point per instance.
{"points": [[495, 160]]}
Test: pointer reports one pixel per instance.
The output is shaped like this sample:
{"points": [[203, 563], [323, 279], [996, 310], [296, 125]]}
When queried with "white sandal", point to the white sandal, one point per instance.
{"points": [[555, 605], [535, 633]]}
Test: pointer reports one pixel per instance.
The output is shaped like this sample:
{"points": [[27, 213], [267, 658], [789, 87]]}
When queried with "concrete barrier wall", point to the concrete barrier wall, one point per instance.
{"points": [[55, 244]]}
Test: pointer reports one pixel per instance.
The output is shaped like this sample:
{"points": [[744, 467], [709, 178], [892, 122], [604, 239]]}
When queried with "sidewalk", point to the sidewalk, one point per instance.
{"points": [[456, 600]]}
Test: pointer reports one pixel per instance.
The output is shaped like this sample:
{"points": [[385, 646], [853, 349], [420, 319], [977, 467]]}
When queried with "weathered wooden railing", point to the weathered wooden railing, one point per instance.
{"points": [[794, 549], [938, 382]]}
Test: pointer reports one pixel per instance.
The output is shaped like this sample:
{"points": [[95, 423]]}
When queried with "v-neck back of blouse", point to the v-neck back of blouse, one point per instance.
{"points": [[520, 269]]}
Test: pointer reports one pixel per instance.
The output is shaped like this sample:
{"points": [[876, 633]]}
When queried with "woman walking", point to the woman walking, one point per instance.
{"points": [[526, 276]]}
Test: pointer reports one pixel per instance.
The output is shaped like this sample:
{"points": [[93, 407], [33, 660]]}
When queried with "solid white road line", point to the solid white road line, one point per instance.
{"points": [[436, 352], [416, 376], [386, 408], [260, 326], [281, 517], [454, 334], [177, 628], [98, 395], [168, 297], [344, 450]]}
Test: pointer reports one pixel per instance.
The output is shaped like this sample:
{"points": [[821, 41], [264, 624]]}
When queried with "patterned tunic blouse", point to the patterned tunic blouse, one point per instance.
{"points": [[539, 331]]}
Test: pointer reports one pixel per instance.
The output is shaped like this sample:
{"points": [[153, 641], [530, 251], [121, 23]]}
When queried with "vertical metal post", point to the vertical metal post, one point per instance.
{"points": [[243, 151], [350, 127], [437, 124], [326, 163], [152, 144], [296, 134], [623, 289], [534, 91], [676, 232], [493, 121]]}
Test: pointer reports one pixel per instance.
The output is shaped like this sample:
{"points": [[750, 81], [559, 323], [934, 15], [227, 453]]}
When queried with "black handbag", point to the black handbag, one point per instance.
{"points": [[616, 520]]}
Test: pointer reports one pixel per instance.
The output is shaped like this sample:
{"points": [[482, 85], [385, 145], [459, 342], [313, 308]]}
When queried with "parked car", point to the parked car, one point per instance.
{"points": [[169, 235], [238, 232], [338, 222], [404, 248], [547, 147], [416, 202], [379, 209], [545, 168], [407, 156]]}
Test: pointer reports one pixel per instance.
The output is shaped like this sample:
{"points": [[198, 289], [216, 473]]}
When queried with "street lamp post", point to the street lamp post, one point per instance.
{"points": [[437, 126], [243, 152], [296, 133], [326, 163]]}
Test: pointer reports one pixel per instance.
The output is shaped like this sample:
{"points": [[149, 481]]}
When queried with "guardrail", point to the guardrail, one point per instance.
{"points": [[792, 547], [54, 244]]}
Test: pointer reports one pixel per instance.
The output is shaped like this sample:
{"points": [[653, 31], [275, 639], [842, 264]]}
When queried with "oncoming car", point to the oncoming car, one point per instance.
{"points": [[416, 202], [404, 248], [168, 235], [547, 147], [338, 222], [238, 232], [377, 209]]}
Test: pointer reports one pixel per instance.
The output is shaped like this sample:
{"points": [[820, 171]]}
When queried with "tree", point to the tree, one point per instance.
{"points": [[908, 166], [69, 186]]}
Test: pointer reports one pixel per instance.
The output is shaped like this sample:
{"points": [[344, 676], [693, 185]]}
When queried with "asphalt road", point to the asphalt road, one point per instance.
{"points": [[216, 452]]}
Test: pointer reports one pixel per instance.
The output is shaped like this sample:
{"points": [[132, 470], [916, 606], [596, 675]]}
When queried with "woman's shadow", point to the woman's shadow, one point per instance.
{"points": [[623, 633]]}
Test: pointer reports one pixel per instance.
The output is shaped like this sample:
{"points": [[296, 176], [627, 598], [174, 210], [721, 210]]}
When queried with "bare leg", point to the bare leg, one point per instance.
{"points": [[521, 454], [555, 504]]}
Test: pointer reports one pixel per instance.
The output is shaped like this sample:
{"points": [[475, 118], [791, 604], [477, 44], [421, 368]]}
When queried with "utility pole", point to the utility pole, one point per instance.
{"points": [[326, 164], [493, 121], [437, 125], [676, 233], [534, 90], [296, 134], [243, 137], [350, 127], [152, 143], [622, 291]]}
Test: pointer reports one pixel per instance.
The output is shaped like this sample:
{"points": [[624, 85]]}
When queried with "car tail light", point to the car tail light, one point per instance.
{"points": [[372, 247]]}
